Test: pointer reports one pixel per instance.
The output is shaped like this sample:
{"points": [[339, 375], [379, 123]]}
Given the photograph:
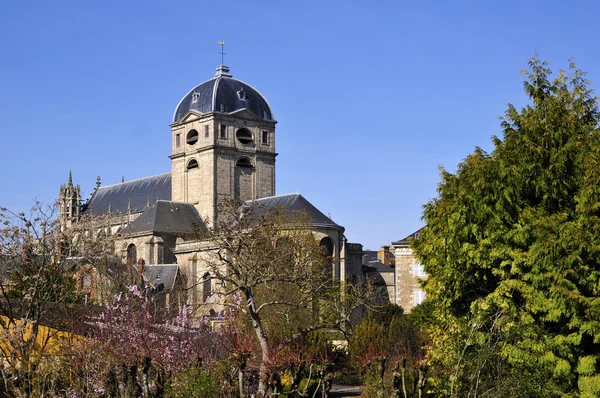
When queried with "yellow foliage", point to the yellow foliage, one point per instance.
{"points": [[18, 336]]}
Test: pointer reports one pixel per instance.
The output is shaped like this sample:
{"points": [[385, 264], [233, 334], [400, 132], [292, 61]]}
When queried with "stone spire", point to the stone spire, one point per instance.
{"points": [[69, 203]]}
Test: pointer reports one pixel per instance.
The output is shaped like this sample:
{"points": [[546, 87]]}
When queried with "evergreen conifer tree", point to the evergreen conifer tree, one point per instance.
{"points": [[512, 250]]}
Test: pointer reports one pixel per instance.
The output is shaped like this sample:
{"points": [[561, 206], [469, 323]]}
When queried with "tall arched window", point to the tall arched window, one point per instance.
{"points": [[244, 179], [131, 254], [327, 248], [206, 287]]}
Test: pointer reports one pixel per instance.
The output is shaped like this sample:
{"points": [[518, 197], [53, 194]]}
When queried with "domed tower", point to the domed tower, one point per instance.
{"points": [[223, 144]]}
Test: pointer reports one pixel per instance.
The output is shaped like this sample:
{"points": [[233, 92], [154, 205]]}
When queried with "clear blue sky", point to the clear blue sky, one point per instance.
{"points": [[370, 96]]}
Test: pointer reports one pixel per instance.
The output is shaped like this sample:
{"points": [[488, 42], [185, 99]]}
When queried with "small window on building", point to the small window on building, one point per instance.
{"points": [[86, 281], [265, 138], [192, 164], [192, 137], [419, 297], [195, 97], [206, 131], [223, 133], [177, 140], [419, 270], [244, 136], [131, 254], [206, 287]]}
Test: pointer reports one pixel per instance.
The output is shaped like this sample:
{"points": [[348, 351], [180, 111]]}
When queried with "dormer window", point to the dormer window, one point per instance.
{"points": [[241, 94], [195, 97]]}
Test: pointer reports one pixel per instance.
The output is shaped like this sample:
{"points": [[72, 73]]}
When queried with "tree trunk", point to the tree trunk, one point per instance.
{"points": [[145, 382], [263, 342], [422, 379], [403, 375], [241, 387]]}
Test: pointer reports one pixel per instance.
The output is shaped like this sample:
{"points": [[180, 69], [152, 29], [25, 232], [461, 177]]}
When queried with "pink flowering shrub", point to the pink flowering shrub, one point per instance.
{"points": [[136, 347]]}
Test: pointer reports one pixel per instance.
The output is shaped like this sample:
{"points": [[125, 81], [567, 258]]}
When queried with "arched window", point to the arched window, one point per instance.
{"points": [[243, 183], [192, 137], [244, 162], [206, 287], [131, 254], [244, 136], [327, 247], [192, 164], [327, 250]]}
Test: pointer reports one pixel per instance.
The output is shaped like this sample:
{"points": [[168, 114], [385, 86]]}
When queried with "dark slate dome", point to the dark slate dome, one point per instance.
{"points": [[223, 94]]}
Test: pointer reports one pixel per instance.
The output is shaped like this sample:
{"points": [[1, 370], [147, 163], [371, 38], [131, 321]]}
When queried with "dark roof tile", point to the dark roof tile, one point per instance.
{"points": [[291, 202], [138, 193], [171, 218]]}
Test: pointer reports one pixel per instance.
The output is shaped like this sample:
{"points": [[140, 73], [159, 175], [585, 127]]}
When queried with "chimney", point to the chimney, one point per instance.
{"points": [[140, 270], [383, 255]]}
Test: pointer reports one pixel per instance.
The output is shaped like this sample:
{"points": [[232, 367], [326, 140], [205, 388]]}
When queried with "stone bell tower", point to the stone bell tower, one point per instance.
{"points": [[223, 144], [69, 203]]}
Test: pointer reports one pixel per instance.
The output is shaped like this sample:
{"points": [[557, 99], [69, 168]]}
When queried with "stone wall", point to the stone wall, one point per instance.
{"points": [[407, 283]]}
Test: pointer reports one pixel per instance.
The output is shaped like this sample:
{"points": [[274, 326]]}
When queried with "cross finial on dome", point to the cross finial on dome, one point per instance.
{"points": [[223, 53]]}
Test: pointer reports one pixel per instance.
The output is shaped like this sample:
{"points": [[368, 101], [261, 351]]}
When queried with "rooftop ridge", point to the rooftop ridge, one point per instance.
{"points": [[131, 181]]}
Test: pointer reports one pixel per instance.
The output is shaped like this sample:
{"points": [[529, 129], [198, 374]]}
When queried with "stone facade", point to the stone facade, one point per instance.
{"points": [[408, 275], [223, 146], [219, 156]]}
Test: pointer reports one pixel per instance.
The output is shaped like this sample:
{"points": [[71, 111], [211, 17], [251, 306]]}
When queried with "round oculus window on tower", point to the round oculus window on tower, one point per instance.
{"points": [[192, 137], [244, 136]]}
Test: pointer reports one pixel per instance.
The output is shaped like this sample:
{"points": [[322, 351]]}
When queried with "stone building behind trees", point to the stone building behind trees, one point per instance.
{"points": [[223, 140]]}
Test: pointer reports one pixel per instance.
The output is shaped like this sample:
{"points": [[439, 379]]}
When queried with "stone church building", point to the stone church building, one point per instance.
{"points": [[223, 137]]}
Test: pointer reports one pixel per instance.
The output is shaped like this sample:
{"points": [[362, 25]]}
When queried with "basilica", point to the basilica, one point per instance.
{"points": [[223, 139]]}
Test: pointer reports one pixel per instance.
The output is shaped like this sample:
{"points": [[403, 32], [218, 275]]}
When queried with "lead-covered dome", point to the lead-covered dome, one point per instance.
{"points": [[223, 94]]}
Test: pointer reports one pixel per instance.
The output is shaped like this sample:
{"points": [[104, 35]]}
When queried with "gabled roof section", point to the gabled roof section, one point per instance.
{"points": [[136, 193], [168, 218], [407, 241], [159, 274], [291, 202]]}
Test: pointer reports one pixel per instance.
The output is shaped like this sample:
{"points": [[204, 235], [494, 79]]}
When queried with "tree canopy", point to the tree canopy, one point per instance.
{"points": [[512, 244]]}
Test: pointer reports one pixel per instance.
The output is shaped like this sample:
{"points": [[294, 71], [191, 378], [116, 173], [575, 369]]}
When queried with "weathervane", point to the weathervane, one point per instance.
{"points": [[223, 53]]}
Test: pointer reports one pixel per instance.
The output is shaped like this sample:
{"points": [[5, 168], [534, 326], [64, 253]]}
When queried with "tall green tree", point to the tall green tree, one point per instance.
{"points": [[512, 249]]}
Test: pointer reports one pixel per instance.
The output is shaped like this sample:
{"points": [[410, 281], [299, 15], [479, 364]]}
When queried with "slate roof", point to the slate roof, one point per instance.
{"points": [[408, 239], [377, 266], [159, 273], [137, 192], [172, 218], [291, 202], [220, 94]]}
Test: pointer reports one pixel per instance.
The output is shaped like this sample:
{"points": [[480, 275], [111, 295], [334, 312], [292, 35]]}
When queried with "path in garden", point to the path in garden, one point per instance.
{"points": [[339, 391]]}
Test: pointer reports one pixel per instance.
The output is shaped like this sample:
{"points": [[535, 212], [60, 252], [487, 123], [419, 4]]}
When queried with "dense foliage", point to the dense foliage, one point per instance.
{"points": [[512, 251]]}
